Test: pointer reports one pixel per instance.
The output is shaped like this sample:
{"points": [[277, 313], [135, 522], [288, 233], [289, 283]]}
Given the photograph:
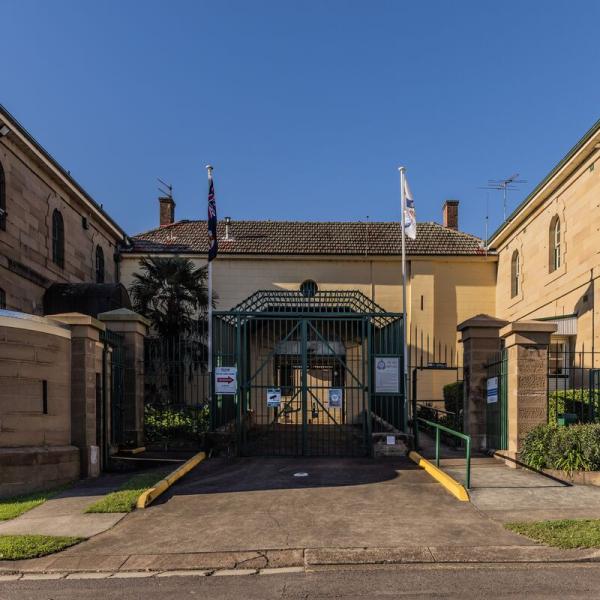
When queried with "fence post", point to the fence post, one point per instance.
{"points": [[526, 344], [134, 329], [480, 339]]}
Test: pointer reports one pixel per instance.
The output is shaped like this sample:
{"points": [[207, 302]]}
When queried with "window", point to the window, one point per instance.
{"points": [[99, 265], [309, 288], [2, 298], [58, 239], [555, 256], [515, 273], [2, 199], [559, 358]]}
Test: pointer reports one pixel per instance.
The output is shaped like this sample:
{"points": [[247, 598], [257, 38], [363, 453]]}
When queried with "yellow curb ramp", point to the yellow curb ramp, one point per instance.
{"points": [[456, 489], [151, 494]]}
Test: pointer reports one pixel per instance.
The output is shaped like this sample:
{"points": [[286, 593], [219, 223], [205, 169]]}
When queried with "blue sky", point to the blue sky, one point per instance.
{"points": [[305, 108]]}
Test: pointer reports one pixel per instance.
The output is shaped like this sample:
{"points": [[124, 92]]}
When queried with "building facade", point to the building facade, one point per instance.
{"points": [[51, 230], [549, 257], [450, 276]]}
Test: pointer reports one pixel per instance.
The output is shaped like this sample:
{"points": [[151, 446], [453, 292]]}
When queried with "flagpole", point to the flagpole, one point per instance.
{"points": [[405, 353], [209, 169]]}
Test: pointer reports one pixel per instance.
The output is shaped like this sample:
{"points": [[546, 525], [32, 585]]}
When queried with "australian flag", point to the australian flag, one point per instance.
{"points": [[213, 246]]}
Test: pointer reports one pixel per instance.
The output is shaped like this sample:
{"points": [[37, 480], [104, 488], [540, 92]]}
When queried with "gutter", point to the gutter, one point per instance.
{"points": [[538, 189], [18, 129]]}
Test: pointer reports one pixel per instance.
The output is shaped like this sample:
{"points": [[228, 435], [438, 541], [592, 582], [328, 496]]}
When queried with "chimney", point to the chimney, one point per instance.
{"points": [[450, 212], [167, 210]]}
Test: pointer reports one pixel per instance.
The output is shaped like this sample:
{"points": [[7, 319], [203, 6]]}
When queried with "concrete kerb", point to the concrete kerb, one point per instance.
{"points": [[454, 487], [163, 485]]}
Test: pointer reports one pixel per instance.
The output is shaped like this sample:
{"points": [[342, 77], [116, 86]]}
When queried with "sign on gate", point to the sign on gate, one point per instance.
{"points": [[226, 380], [273, 397], [492, 390], [335, 397], [387, 375]]}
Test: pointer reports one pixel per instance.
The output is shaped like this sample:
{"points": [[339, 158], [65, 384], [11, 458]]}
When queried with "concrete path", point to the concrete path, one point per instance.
{"points": [[507, 494], [257, 504], [64, 515]]}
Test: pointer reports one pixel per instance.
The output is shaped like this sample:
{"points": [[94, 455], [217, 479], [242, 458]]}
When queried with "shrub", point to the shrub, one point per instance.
{"points": [[453, 397], [185, 423], [575, 448], [571, 401]]}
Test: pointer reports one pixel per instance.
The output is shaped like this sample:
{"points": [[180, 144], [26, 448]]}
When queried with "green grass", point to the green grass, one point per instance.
{"points": [[125, 498], [13, 507], [19, 547], [568, 533]]}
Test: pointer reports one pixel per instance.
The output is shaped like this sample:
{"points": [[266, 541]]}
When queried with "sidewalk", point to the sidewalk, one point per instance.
{"points": [[64, 515]]}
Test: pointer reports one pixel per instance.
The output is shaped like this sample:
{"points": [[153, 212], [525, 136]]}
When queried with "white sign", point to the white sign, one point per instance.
{"points": [[391, 440], [335, 397], [387, 375], [492, 390], [226, 380], [273, 397]]}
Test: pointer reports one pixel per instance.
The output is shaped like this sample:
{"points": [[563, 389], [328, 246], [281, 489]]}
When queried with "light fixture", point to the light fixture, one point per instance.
{"points": [[4, 130]]}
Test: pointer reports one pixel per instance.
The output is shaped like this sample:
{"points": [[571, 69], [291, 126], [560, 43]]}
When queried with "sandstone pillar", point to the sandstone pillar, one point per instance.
{"points": [[86, 387], [134, 329], [526, 344], [480, 339]]}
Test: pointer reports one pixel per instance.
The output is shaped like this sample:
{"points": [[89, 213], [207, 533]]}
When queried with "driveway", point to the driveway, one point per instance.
{"points": [[250, 504]]}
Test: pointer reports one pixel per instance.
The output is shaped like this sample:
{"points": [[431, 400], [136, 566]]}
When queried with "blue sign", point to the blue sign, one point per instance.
{"points": [[335, 397]]}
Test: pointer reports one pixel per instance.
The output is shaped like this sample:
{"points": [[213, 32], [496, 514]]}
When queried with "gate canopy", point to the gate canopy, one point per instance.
{"points": [[313, 374], [351, 302]]}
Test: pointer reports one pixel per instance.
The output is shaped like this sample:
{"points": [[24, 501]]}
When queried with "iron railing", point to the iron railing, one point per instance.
{"points": [[573, 385], [466, 438]]}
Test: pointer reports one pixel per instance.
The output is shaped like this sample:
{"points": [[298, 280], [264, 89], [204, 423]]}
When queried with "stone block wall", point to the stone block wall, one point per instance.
{"points": [[35, 405]]}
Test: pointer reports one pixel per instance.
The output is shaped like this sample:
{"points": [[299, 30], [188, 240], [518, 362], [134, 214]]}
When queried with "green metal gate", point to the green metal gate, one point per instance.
{"points": [[304, 369], [496, 408]]}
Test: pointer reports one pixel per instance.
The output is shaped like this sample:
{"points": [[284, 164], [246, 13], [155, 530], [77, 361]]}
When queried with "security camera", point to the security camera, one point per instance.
{"points": [[4, 130]]}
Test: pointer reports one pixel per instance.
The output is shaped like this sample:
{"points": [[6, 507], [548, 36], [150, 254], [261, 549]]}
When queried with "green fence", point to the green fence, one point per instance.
{"points": [[496, 408]]}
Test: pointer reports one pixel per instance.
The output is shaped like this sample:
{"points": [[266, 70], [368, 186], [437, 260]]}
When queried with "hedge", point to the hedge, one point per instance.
{"points": [[571, 401], [575, 448]]}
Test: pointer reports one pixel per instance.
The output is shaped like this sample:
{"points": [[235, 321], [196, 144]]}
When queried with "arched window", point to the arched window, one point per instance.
{"points": [[555, 253], [515, 273], [2, 298], [2, 199], [309, 288], [58, 239], [99, 265]]}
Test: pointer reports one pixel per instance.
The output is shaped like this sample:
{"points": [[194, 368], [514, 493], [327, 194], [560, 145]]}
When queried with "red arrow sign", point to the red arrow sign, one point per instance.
{"points": [[225, 379]]}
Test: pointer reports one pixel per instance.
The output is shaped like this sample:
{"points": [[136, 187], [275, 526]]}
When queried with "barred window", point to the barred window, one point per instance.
{"points": [[58, 239], [555, 245], [2, 199], [515, 273], [99, 265]]}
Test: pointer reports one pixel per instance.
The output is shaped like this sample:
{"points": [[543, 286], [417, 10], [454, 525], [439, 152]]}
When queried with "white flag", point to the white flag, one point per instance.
{"points": [[410, 218]]}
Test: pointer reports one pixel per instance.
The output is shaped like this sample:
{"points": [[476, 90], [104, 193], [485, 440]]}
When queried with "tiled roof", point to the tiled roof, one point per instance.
{"points": [[307, 238]]}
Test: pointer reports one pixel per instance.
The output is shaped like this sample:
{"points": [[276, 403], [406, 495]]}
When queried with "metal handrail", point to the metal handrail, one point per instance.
{"points": [[458, 434]]}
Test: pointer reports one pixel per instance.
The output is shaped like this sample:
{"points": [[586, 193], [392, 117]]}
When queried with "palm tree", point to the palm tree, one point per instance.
{"points": [[172, 294]]}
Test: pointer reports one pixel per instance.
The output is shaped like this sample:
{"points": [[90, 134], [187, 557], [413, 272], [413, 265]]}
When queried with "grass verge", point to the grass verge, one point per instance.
{"points": [[568, 533], [19, 547], [125, 498], [13, 507]]}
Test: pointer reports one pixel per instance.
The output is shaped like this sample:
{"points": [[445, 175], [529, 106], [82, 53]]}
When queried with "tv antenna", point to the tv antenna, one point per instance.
{"points": [[165, 189], [504, 185]]}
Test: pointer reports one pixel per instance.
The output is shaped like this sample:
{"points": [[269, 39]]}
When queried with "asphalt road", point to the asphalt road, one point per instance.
{"points": [[460, 581]]}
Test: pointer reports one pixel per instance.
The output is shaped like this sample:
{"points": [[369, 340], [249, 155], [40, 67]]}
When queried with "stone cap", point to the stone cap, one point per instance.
{"points": [[19, 320], [123, 314], [481, 320], [75, 318], [528, 332]]}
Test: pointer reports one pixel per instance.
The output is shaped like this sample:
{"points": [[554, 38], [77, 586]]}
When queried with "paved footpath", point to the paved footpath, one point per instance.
{"points": [[248, 516], [64, 515]]}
